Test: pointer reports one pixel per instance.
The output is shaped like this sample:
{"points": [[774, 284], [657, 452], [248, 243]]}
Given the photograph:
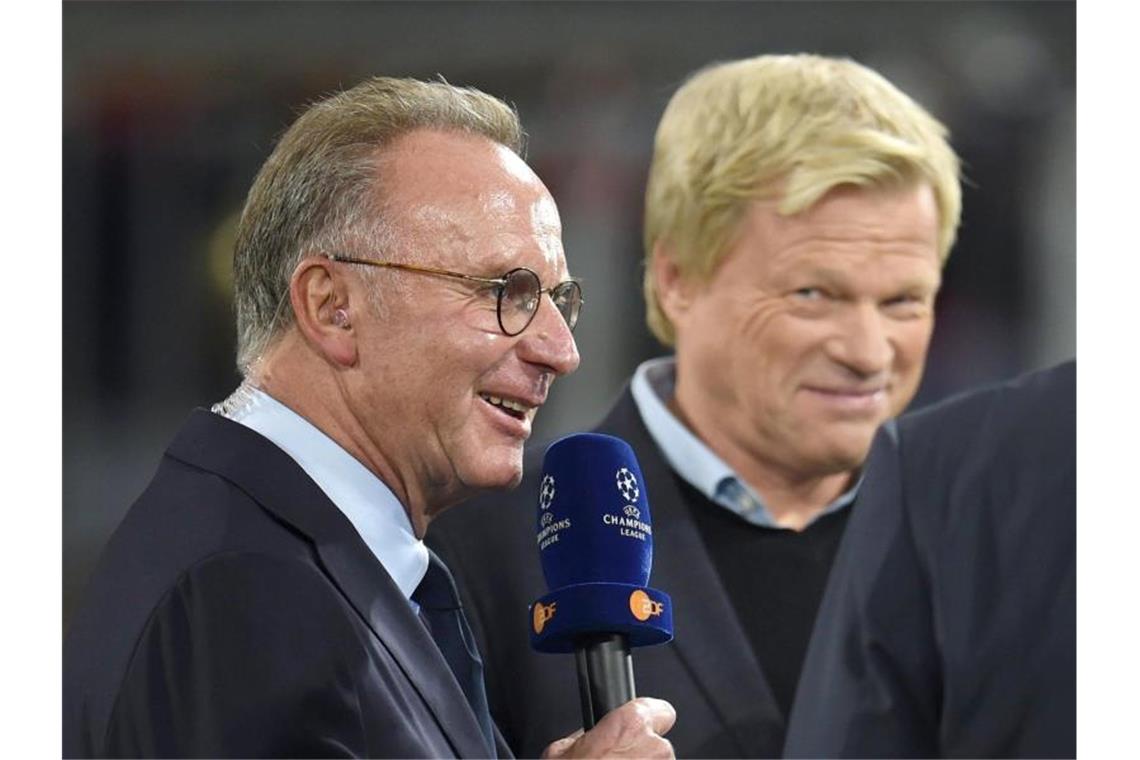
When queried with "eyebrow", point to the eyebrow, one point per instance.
{"points": [[838, 279]]}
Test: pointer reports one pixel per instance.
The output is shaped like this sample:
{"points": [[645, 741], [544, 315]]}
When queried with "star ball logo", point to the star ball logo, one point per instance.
{"points": [[627, 484], [546, 492], [643, 606], [542, 614]]}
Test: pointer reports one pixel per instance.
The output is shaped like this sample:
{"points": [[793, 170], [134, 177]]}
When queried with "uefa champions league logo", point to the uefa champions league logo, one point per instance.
{"points": [[546, 493], [548, 528], [627, 485], [627, 523]]}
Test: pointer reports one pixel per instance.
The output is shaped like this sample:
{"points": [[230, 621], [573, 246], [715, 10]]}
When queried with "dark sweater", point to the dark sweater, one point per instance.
{"points": [[775, 579]]}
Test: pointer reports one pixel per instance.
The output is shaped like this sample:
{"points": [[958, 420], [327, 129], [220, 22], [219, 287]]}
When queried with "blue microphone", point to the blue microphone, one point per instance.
{"points": [[595, 540]]}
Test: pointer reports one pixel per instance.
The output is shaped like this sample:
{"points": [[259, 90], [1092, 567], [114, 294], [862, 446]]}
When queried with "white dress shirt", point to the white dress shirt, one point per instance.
{"points": [[365, 500]]}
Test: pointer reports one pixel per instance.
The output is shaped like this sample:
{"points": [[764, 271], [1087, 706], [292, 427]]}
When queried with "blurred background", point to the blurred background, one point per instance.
{"points": [[170, 108]]}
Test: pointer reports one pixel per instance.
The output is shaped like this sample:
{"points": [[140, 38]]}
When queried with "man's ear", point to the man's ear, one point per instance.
{"points": [[321, 306], [675, 292]]}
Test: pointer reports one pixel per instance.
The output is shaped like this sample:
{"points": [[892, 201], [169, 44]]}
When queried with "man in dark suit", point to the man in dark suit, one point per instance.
{"points": [[798, 214], [948, 628], [403, 307]]}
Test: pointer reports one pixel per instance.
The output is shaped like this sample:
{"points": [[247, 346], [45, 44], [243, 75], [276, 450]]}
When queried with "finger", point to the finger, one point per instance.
{"points": [[559, 748], [658, 713]]}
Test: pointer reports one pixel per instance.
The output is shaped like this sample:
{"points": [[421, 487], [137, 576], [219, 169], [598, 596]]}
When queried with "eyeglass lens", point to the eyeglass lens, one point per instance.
{"points": [[520, 296]]}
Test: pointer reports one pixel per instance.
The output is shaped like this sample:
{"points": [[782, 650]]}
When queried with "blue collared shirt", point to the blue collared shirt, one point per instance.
{"points": [[652, 386], [365, 500]]}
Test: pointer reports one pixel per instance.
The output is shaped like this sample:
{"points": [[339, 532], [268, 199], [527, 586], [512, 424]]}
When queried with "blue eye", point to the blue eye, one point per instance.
{"points": [[904, 300], [906, 306], [808, 293]]}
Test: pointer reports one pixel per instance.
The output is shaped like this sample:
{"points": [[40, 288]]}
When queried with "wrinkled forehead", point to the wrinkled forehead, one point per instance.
{"points": [[469, 200]]}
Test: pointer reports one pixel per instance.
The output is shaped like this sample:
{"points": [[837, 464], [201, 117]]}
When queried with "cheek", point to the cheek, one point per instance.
{"points": [[480, 358], [911, 341], [782, 344], [911, 344], [756, 325], [440, 368]]}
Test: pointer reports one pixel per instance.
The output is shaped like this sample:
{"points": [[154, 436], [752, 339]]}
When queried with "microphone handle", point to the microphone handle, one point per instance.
{"points": [[605, 674]]}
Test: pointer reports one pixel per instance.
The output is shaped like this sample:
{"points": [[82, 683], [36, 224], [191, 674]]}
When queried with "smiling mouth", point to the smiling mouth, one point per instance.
{"points": [[516, 409], [848, 392], [851, 401]]}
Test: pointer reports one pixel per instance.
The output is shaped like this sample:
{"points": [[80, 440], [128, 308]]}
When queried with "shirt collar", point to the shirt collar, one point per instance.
{"points": [[691, 458], [371, 507]]}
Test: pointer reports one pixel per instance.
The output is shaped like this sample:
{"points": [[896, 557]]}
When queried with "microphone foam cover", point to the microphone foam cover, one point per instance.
{"points": [[595, 539], [593, 522]]}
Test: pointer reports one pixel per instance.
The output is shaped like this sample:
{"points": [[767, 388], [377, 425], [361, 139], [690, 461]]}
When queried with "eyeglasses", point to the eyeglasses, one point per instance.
{"points": [[518, 293]]}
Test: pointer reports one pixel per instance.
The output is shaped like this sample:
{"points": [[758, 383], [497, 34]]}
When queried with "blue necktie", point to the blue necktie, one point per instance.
{"points": [[442, 614]]}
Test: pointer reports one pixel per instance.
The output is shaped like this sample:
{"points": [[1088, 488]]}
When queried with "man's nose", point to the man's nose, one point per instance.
{"points": [[862, 341], [547, 340]]}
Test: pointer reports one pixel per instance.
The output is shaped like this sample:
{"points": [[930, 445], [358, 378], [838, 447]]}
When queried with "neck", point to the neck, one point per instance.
{"points": [[795, 504], [308, 388], [793, 499]]}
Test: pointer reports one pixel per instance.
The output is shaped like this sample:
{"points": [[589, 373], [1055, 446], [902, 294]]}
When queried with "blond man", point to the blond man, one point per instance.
{"points": [[799, 212]]}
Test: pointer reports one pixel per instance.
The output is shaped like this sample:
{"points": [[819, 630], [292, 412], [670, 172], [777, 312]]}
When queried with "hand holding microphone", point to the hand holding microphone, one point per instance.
{"points": [[635, 730], [595, 539]]}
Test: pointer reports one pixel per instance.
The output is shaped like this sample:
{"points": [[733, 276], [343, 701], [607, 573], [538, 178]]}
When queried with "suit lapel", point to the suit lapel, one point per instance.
{"points": [[406, 640], [278, 483], [724, 665]]}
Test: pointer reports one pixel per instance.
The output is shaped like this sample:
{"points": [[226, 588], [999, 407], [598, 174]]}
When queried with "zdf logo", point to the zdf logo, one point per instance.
{"points": [[542, 614], [643, 607]]}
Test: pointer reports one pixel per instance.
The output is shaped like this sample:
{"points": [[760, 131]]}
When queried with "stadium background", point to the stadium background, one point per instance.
{"points": [[170, 108]]}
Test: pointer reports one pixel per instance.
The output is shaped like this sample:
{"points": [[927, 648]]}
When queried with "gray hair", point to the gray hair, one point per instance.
{"points": [[318, 190]]}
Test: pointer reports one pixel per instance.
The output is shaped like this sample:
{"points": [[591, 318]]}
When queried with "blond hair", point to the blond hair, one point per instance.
{"points": [[320, 189], [786, 127]]}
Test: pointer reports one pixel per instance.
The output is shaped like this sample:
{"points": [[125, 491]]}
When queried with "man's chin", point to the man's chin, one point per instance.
{"points": [[844, 455], [509, 483], [496, 476], [850, 458]]}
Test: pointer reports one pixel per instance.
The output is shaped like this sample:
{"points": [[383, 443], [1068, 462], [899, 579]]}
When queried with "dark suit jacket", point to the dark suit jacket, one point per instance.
{"points": [[949, 624], [236, 612], [724, 705]]}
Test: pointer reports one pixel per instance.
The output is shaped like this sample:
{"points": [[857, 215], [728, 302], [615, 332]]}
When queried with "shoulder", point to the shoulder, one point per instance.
{"points": [[249, 599], [247, 654], [243, 624], [1036, 409], [999, 446], [983, 463]]}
